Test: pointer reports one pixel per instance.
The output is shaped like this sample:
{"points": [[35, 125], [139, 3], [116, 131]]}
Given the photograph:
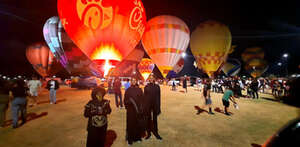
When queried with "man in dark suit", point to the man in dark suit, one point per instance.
{"points": [[152, 107]]}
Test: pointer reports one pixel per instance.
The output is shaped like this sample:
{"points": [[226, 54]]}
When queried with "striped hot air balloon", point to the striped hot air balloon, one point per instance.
{"points": [[179, 66], [232, 67], [251, 53], [210, 45], [146, 67], [165, 38]]}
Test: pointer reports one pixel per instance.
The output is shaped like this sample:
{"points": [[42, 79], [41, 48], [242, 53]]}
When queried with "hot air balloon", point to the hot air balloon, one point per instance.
{"points": [[129, 65], [146, 67], [105, 30], [165, 38], [232, 49], [42, 59], [256, 67], [179, 66], [232, 67], [210, 44], [69, 55], [251, 53]]}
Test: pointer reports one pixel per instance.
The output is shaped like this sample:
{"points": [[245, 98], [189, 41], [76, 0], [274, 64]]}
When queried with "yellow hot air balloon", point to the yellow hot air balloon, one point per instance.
{"points": [[165, 38], [210, 45]]}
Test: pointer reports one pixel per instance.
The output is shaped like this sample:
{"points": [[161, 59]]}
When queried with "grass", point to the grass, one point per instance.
{"points": [[64, 124]]}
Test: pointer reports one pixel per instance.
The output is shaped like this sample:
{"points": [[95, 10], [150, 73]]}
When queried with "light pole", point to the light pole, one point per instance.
{"points": [[285, 56]]}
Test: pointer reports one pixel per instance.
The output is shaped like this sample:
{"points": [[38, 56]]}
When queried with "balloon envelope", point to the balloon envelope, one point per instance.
{"points": [[251, 53], [232, 67], [178, 66], [42, 59], [129, 65], [210, 44], [165, 38], [69, 55], [103, 29], [256, 67], [146, 67]]}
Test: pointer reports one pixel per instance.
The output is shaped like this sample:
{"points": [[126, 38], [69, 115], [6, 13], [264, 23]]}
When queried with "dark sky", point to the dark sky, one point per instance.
{"points": [[274, 26]]}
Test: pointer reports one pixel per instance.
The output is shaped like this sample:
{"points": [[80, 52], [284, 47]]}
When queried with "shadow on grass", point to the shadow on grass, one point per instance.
{"points": [[111, 136], [200, 110], [182, 91], [270, 99], [48, 101], [217, 109], [255, 145], [29, 117]]}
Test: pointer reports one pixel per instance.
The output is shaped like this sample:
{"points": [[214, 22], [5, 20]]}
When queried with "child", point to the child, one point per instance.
{"points": [[228, 95], [97, 110]]}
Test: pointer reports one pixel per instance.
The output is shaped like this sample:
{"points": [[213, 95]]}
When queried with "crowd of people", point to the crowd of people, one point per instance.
{"points": [[142, 105], [16, 93]]}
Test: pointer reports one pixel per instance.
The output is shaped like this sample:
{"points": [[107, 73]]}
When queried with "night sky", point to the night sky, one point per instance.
{"points": [[274, 26]]}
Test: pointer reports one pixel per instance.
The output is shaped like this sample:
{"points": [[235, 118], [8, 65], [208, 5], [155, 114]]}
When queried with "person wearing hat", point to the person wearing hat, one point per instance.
{"points": [[152, 106], [96, 110], [52, 86]]}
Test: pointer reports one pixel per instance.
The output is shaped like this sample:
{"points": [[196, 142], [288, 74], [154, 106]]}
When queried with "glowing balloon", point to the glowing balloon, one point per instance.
{"points": [[42, 59], [165, 38], [129, 65], [210, 44], [251, 53], [69, 55], [256, 67], [232, 67], [146, 67], [105, 30], [179, 66]]}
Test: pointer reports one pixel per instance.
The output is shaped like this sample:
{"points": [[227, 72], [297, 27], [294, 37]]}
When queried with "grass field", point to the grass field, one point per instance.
{"points": [[63, 124]]}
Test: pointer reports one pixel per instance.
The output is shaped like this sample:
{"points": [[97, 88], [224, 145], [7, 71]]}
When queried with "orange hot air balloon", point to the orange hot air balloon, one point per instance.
{"points": [[42, 59], [103, 29], [165, 38], [251, 53], [146, 67], [210, 45]]}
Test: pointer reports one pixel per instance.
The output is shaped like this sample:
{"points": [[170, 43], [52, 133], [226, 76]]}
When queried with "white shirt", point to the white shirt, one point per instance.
{"points": [[52, 83], [34, 84]]}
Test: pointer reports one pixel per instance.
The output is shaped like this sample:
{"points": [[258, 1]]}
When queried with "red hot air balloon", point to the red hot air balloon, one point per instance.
{"points": [[103, 29], [42, 59], [146, 67]]}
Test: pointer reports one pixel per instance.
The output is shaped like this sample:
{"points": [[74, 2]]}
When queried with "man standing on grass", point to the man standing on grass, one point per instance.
{"points": [[228, 95], [118, 94], [152, 106], [52, 86], [34, 86], [206, 95]]}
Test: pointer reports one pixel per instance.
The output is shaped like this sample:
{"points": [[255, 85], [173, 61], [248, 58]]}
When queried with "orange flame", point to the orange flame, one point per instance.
{"points": [[106, 52]]}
